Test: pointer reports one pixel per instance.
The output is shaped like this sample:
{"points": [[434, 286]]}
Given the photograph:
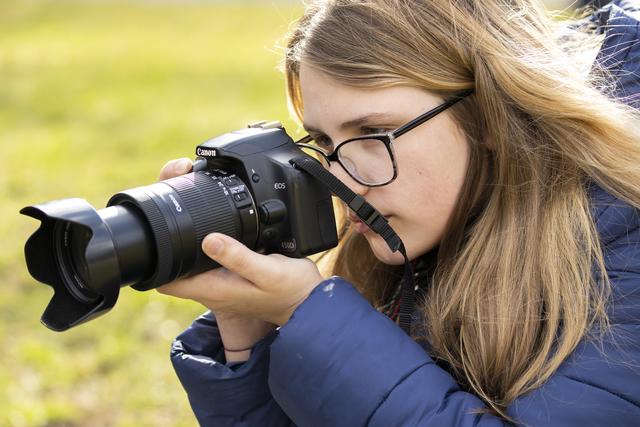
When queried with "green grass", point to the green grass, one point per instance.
{"points": [[94, 98]]}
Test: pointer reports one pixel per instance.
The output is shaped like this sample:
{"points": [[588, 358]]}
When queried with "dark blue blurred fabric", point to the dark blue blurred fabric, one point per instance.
{"points": [[620, 53], [339, 362]]}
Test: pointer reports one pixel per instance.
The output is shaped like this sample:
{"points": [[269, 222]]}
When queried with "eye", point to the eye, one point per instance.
{"points": [[323, 142]]}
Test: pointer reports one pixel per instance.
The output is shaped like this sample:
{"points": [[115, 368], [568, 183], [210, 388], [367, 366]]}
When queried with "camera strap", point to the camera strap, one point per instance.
{"points": [[376, 222]]}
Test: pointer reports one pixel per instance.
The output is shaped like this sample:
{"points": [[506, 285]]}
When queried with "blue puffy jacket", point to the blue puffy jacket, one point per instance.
{"points": [[339, 362]]}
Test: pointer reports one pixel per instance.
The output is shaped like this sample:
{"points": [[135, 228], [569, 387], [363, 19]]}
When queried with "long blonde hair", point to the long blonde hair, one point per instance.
{"points": [[514, 290]]}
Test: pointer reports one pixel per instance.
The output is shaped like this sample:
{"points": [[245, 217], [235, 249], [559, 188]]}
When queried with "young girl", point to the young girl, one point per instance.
{"points": [[517, 198]]}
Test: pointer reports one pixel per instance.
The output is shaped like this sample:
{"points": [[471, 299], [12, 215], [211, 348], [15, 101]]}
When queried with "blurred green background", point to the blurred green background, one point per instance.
{"points": [[95, 96]]}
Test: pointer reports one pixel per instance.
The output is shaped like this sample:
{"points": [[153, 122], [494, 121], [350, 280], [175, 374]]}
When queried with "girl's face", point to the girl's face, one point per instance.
{"points": [[432, 159]]}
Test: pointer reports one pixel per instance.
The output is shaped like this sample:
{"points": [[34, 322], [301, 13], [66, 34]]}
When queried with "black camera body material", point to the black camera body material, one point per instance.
{"points": [[242, 185]]}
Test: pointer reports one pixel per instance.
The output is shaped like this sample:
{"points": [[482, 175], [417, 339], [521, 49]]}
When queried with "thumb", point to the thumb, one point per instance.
{"points": [[236, 257]]}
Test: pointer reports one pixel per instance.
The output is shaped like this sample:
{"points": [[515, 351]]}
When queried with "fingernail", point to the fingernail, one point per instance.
{"points": [[212, 244], [183, 166]]}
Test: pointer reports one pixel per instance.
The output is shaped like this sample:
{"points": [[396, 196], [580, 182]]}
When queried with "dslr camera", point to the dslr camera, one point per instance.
{"points": [[242, 185]]}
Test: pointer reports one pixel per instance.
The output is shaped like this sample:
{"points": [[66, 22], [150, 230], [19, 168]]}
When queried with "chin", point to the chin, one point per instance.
{"points": [[381, 250]]}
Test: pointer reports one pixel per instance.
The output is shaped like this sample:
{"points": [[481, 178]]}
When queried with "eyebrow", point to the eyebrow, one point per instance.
{"points": [[354, 123]]}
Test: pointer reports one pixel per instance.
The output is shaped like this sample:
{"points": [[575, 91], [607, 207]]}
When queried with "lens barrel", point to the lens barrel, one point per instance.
{"points": [[146, 236], [180, 212]]}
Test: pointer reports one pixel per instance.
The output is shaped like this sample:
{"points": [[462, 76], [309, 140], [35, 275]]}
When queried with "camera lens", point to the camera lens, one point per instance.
{"points": [[145, 237], [79, 239], [181, 211], [71, 243]]}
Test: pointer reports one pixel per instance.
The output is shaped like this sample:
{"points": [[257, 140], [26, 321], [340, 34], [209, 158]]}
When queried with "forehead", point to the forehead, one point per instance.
{"points": [[327, 102]]}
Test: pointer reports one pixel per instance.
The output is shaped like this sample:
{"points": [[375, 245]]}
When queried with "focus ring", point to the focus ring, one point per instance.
{"points": [[162, 239], [163, 244], [211, 210], [207, 204]]}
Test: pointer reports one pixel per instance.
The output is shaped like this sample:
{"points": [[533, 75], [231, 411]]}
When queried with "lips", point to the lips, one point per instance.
{"points": [[358, 223], [354, 218]]}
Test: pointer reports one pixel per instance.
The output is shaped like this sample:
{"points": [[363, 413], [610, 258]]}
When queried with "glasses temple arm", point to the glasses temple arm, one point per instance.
{"points": [[430, 114]]}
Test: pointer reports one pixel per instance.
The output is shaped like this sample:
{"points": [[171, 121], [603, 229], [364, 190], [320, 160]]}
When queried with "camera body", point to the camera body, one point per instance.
{"points": [[295, 213], [242, 185]]}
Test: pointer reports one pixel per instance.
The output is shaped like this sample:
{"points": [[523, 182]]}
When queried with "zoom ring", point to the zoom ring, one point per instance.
{"points": [[210, 209]]}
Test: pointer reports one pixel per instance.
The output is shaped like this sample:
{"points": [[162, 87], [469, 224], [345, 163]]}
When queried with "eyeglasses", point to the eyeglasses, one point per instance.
{"points": [[369, 159]]}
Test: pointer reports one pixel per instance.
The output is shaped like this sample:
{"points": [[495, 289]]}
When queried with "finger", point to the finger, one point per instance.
{"points": [[175, 168], [236, 257], [219, 288]]}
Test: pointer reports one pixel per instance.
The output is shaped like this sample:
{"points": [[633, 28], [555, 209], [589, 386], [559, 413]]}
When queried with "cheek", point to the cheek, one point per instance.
{"points": [[435, 176], [431, 182]]}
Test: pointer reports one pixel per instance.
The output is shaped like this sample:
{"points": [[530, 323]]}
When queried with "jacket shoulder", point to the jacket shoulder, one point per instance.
{"points": [[614, 218], [618, 227]]}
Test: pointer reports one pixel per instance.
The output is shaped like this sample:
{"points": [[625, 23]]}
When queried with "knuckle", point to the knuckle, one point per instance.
{"points": [[309, 265]]}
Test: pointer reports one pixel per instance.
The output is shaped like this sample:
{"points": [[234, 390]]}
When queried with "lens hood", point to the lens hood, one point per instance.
{"points": [[65, 309]]}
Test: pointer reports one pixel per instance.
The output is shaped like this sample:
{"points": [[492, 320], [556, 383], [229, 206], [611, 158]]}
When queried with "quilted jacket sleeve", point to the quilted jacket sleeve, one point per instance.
{"points": [[338, 362], [221, 395]]}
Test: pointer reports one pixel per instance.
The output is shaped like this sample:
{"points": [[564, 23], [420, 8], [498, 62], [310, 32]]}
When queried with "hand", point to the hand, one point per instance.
{"points": [[267, 287], [236, 331]]}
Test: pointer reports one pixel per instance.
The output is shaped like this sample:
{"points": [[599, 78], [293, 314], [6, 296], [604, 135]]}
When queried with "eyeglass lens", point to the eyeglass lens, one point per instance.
{"points": [[368, 160]]}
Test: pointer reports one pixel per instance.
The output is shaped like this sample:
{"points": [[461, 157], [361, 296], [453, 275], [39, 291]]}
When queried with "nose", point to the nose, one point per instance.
{"points": [[336, 169]]}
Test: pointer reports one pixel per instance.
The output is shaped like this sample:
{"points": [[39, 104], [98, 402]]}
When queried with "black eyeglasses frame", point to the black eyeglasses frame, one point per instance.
{"points": [[386, 138]]}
